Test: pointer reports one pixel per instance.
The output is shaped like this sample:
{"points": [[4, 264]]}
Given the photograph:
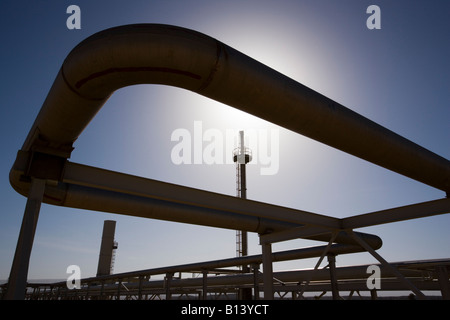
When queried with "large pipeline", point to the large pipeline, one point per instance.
{"points": [[162, 54]]}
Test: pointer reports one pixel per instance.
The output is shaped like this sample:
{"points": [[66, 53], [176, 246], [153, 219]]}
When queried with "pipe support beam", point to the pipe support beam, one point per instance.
{"points": [[90, 188]]}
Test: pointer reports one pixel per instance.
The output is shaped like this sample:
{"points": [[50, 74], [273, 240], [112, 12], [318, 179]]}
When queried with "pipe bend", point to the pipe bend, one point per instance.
{"points": [[116, 58]]}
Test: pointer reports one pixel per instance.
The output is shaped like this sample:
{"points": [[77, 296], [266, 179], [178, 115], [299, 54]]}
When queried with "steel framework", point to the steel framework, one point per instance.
{"points": [[161, 54], [216, 282]]}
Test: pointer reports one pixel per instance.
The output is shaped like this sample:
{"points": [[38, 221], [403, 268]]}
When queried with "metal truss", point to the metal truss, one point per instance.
{"points": [[158, 54]]}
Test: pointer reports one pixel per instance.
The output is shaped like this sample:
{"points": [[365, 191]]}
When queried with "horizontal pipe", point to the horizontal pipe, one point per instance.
{"points": [[113, 202], [355, 277], [296, 254], [342, 273], [123, 183], [161, 54], [414, 211], [297, 276], [89, 188]]}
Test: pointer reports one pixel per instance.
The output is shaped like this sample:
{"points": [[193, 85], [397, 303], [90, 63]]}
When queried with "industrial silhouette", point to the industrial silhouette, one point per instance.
{"points": [[161, 54]]}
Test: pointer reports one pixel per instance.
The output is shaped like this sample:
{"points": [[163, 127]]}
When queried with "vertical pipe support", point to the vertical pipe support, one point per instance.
{"points": [[168, 281], [444, 283], [86, 297], [373, 294], [119, 285], [333, 278], [256, 281], [102, 290], [141, 280], [19, 271], [267, 270], [205, 284]]}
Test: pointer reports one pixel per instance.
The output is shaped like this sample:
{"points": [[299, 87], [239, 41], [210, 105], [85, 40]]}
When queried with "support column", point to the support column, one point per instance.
{"points": [[19, 271], [141, 279], [169, 277], [205, 285], [119, 285], [333, 278], [373, 294], [267, 270], [102, 291], [444, 283], [256, 281]]}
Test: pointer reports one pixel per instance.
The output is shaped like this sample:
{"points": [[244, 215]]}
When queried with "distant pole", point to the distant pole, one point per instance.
{"points": [[242, 156], [242, 161]]}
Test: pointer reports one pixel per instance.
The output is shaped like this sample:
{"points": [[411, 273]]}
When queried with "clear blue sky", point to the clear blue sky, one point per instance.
{"points": [[398, 76]]}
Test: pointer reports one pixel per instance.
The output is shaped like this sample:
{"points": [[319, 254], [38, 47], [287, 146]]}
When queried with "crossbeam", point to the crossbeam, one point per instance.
{"points": [[414, 211]]}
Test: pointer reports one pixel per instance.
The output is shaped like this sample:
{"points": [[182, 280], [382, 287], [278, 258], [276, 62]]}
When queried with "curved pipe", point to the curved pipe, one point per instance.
{"points": [[161, 54]]}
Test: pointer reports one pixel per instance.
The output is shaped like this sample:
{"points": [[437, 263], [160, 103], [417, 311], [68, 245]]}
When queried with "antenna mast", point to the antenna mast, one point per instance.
{"points": [[241, 156]]}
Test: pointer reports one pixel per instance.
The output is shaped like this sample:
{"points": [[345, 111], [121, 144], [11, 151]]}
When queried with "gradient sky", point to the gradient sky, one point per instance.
{"points": [[398, 76]]}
